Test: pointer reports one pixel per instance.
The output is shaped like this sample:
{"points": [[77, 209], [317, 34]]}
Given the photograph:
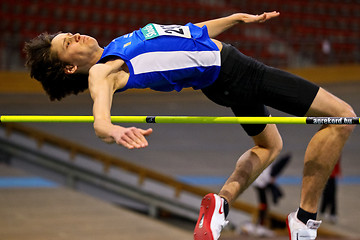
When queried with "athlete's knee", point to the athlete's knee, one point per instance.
{"points": [[346, 129], [275, 145], [271, 148], [347, 111], [276, 148]]}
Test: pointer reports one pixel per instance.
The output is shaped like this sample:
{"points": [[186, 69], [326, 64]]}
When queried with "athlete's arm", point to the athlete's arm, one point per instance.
{"points": [[219, 25], [102, 90]]}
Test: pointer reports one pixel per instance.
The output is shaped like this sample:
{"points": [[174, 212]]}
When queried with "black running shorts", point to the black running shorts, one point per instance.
{"points": [[248, 86]]}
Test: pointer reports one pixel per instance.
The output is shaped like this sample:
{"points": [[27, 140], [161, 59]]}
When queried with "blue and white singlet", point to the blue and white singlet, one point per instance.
{"points": [[167, 57]]}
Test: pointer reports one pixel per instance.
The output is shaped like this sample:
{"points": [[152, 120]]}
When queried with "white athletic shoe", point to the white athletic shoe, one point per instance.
{"points": [[211, 218], [299, 231]]}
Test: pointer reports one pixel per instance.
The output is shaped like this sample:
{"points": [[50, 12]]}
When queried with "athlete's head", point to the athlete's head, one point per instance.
{"points": [[78, 51], [57, 61]]}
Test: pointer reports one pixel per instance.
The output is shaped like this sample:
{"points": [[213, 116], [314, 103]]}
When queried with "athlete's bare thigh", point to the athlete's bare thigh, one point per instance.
{"points": [[326, 104]]}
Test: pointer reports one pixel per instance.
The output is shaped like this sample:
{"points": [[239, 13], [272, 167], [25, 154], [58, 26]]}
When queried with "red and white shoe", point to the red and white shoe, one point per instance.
{"points": [[211, 218], [299, 231]]}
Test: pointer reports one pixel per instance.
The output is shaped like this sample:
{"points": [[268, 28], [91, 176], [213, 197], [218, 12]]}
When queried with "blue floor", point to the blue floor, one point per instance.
{"points": [[38, 182], [26, 182]]}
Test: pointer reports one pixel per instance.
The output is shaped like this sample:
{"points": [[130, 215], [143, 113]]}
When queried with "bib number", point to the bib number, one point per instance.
{"points": [[155, 30]]}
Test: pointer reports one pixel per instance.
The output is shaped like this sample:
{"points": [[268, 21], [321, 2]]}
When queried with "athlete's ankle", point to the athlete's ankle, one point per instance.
{"points": [[226, 207], [304, 216]]}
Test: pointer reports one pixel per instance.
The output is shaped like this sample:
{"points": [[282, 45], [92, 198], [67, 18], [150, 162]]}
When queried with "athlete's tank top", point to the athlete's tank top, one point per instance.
{"points": [[167, 57]]}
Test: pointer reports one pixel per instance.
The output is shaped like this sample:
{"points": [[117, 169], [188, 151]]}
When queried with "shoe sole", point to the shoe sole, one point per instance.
{"points": [[288, 228], [202, 229]]}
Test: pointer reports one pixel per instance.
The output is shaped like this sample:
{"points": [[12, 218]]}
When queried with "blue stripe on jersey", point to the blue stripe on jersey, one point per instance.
{"points": [[167, 63]]}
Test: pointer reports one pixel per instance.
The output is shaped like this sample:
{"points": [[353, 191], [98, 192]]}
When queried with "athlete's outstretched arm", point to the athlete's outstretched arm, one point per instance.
{"points": [[102, 90], [219, 25]]}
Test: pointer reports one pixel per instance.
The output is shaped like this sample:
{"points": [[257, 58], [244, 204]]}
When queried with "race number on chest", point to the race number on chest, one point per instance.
{"points": [[155, 30]]}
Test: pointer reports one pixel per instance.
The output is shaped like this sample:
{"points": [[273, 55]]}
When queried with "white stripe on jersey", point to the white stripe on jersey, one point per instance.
{"points": [[166, 61]]}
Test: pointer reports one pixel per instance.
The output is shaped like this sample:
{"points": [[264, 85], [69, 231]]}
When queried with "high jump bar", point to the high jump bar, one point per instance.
{"points": [[181, 119]]}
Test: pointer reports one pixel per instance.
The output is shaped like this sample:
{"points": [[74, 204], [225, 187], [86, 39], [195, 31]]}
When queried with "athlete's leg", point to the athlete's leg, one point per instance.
{"points": [[268, 145], [211, 221], [324, 148]]}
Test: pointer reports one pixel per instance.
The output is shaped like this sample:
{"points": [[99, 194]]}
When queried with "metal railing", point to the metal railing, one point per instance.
{"points": [[107, 161]]}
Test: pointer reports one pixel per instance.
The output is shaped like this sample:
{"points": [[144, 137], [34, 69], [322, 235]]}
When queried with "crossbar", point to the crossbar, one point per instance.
{"points": [[182, 119]]}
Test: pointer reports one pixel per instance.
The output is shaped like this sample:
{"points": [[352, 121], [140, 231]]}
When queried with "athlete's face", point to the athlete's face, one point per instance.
{"points": [[75, 49]]}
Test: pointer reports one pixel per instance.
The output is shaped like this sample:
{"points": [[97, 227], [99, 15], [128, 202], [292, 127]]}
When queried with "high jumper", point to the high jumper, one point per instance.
{"points": [[173, 57]]}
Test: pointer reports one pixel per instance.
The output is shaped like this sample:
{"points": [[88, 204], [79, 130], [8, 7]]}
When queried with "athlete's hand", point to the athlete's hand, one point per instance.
{"points": [[249, 18], [131, 137]]}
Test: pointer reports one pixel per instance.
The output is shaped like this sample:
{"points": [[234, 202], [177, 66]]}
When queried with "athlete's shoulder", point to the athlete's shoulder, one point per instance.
{"points": [[101, 70]]}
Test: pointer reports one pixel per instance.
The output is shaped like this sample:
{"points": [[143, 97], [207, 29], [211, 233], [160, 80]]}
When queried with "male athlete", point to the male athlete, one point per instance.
{"points": [[166, 58]]}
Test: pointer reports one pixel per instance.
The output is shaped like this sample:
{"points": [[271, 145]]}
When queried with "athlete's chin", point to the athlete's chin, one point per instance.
{"points": [[90, 40]]}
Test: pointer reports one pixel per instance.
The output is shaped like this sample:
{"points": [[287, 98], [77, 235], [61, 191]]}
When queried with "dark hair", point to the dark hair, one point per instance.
{"points": [[46, 67]]}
